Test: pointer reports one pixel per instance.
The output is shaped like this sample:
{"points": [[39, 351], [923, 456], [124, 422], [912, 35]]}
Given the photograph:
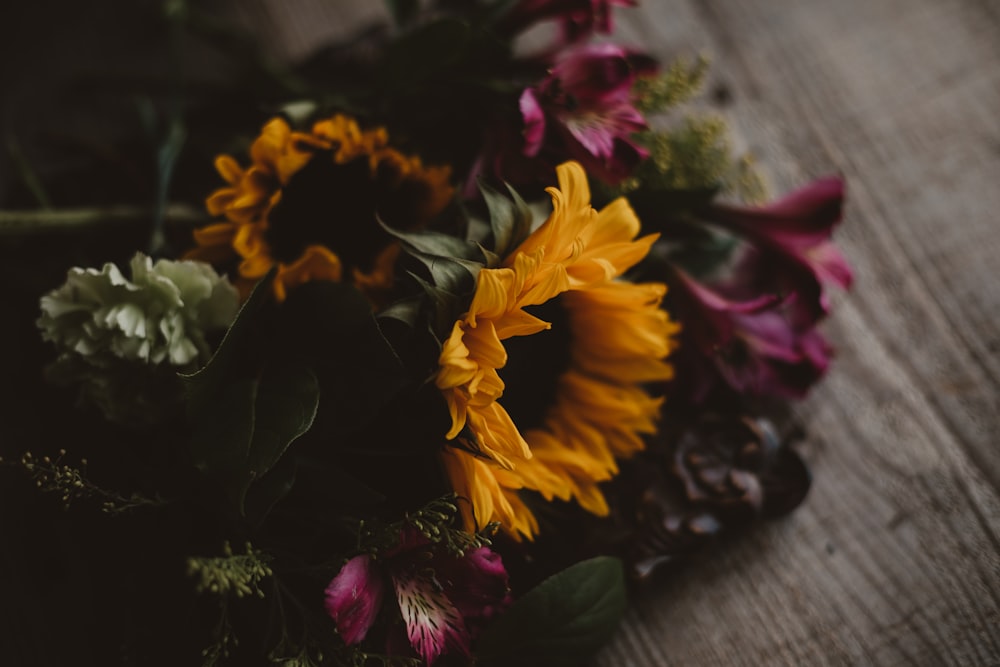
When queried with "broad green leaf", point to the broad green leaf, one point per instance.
{"points": [[202, 385], [446, 307], [221, 436], [510, 218], [330, 328], [265, 492], [287, 399], [562, 621], [243, 417], [449, 274], [437, 244], [250, 426], [406, 310]]}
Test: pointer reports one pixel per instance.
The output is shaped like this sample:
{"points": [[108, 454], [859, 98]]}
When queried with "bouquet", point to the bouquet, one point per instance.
{"points": [[463, 339]]}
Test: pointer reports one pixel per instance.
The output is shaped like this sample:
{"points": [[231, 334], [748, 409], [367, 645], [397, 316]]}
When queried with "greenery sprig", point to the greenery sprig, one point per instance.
{"points": [[231, 573], [71, 483]]}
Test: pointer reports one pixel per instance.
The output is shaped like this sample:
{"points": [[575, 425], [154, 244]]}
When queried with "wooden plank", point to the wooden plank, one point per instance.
{"points": [[894, 558]]}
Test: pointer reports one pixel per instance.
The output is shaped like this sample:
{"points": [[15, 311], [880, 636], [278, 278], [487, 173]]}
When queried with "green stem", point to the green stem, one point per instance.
{"points": [[23, 223]]}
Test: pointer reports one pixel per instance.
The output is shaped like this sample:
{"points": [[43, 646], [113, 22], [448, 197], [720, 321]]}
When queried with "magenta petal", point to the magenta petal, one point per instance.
{"points": [[354, 597], [800, 220], [822, 195], [830, 265], [534, 123], [598, 72], [433, 624], [477, 584], [596, 138], [715, 301]]}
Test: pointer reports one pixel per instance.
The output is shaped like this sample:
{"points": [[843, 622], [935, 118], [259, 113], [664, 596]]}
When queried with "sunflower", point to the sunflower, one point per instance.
{"points": [[308, 203], [577, 347]]}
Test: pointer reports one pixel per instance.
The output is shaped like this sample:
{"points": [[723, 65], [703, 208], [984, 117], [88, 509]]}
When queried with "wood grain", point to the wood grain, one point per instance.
{"points": [[895, 557]]}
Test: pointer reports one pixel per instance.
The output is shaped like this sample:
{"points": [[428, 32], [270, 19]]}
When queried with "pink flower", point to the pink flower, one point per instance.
{"points": [[759, 345], [798, 227], [443, 599], [577, 19], [584, 111]]}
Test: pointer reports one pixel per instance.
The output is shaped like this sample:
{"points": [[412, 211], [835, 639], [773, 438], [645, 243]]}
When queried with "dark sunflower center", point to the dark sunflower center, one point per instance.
{"points": [[534, 365], [335, 205]]}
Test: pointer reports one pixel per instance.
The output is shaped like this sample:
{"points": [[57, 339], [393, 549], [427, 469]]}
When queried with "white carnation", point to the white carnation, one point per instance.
{"points": [[159, 315]]}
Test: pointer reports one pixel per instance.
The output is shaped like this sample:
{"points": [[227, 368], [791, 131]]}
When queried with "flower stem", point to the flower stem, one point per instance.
{"points": [[23, 223]]}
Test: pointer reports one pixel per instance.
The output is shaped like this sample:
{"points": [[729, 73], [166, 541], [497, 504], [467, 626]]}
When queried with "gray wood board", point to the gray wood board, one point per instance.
{"points": [[894, 558]]}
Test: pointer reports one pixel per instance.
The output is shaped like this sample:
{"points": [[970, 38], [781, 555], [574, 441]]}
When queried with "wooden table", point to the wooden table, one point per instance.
{"points": [[895, 556]]}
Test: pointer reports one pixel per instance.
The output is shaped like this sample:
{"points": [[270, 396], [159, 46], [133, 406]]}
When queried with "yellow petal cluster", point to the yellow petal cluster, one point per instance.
{"points": [[619, 337]]}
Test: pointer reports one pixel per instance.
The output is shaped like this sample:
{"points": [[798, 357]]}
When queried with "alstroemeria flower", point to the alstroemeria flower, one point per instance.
{"points": [[577, 19], [584, 111], [759, 344], [443, 598], [799, 227]]}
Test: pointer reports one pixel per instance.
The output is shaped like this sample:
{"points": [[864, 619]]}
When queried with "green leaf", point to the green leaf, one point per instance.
{"points": [[446, 307], [330, 328], [244, 417], [220, 402], [562, 621], [251, 425], [406, 310], [287, 399], [265, 492], [452, 275], [452, 263], [221, 437], [204, 384], [436, 244], [510, 218]]}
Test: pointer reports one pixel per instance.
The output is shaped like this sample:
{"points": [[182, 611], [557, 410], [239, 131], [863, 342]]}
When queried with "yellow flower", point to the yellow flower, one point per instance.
{"points": [[613, 339], [308, 203]]}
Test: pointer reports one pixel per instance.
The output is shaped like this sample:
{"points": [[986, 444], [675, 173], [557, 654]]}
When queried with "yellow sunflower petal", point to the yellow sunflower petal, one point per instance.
{"points": [[229, 169]]}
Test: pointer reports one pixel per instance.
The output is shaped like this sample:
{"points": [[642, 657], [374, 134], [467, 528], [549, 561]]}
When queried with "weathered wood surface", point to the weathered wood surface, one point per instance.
{"points": [[895, 556]]}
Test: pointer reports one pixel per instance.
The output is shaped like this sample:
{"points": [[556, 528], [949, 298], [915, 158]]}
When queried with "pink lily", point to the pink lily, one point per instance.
{"points": [[443, 599], [759, 345], [798, 227], [584, 111]]}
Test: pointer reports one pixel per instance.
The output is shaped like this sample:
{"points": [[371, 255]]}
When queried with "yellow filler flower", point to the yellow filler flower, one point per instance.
{"points": [[308, 203], [609, 338]]}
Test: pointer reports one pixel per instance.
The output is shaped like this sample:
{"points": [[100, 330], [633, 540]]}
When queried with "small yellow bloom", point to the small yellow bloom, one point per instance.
{"points": [[618, 337]]}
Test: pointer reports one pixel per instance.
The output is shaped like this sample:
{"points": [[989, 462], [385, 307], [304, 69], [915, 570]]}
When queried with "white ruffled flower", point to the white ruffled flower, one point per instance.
{"points": [[122, 341], [161, 315]]}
